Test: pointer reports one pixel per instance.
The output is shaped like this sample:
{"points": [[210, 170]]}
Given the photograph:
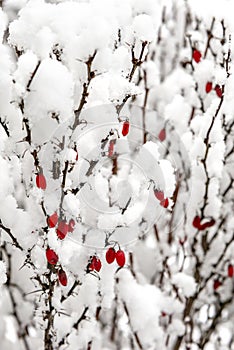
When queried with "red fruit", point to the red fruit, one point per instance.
{"points": [[230, 270], [62, 229], [51, 257], [164, 203], [197, 56], [62, 277], [162, 135], [120, 258], [159, 195], [111, 148], [91, 266], [77, 156], [207, 224], [110, 255], [52, 220], [209, 87], [216, 284], [125, 128], [95, 264], [218, 91], [197, 222], [41, 181], [71, 225], [210, 223]]}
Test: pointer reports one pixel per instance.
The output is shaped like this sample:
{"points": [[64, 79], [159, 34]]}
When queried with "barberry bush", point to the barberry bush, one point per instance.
{"points": [[116, 175]]}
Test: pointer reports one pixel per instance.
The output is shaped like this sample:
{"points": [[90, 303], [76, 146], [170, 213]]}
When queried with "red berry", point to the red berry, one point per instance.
{"points": [[197, 222], [77, 156], [216, 284], [210, 223], [207, 224], [111, 148], [162, 135], [52, 220], [218, 91], [71, 225], [110, 255], [95, 264], [230, 270], [164, 203], [51, 257], [91, 266], [120, 258], [62, 277], [197, 56], [159, 195], [125, 128], [62, 229], [41, 181], [209, 87]]}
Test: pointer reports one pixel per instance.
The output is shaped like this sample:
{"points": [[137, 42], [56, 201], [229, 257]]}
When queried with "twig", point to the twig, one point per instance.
{"points": [[8, 231]]}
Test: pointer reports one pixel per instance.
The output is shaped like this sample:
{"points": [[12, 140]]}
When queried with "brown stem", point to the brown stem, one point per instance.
{"points": [[8, 231], [83, 100]]}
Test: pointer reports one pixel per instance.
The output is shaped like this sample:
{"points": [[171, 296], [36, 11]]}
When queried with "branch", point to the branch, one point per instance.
{"points": [[22, 329], [76, 325], [90, 76], [134, 332], [48, 340], [136, 62], [32, 76], [8, 231], [206, 335], [5, 127]]}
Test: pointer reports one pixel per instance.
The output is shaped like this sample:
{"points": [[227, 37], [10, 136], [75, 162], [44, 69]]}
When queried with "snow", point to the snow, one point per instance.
{"points": [[62, 60], [131, 292], [6, 185], [143, 27], [185, 282], [48, 94], [3, 275]]}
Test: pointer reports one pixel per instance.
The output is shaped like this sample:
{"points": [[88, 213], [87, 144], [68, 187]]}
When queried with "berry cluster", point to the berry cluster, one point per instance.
{"points": [[217, 89], [52, 259], [112, 255], [63, 228], [95, 263]]}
